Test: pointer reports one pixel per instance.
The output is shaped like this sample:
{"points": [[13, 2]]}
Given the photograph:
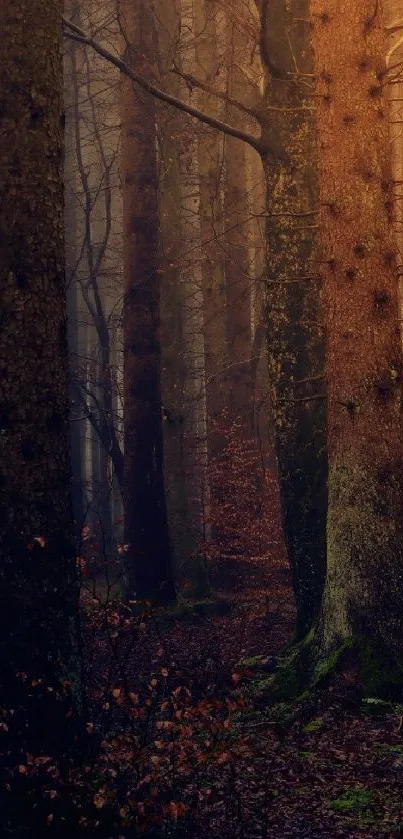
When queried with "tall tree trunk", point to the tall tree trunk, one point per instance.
{"points": [[170, 128], [96, 138], [149, 565], [259, 408], [38, 583], [295, 327], [195, 430], [394, 59], [209, 56], [363, 593], [117, 409], [235, 242], [72, 287]]}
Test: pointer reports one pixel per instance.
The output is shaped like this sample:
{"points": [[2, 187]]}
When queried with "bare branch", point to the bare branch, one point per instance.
{"points": [[193, 81], [76, 34]]}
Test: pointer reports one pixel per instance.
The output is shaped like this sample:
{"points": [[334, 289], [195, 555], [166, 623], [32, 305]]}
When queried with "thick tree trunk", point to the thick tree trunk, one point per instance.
{"points": [[149, 561], [364, 593], [293, 283], [38, 583]]}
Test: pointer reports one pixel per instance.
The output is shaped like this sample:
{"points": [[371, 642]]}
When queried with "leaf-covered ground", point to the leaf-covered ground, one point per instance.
{"points": [[182, 740], [190, 746]]}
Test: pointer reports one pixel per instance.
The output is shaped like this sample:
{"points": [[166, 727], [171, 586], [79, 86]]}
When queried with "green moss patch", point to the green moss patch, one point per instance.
{"points": [[313, 725], [328, 666], [352, 799]]}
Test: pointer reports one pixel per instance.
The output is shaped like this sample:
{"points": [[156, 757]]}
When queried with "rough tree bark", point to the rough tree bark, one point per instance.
{"points": [[293, 284], [364, 591], [38, 582]]}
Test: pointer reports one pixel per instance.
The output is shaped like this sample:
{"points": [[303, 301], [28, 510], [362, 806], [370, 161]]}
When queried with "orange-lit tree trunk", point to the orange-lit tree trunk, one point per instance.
{"points": [[394, 60], [38, 583], [149, 562], [364, 591]]}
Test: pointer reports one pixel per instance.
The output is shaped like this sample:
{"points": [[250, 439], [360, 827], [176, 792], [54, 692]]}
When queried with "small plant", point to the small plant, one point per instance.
{"points": [[352, 799], [313, 725]]}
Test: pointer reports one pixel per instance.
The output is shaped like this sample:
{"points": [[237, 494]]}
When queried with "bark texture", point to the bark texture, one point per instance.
{"points": [[293, 287], [364, 591], [39, 594]]}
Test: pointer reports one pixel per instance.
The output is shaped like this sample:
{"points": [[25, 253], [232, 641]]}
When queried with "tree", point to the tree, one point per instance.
{"points": [[295, 326], [191, 281], [236, 263], [70, 217], [93, 236], [363, 593], [208, 54], [184, 518], [149, 559], [295, 330], [394, 59], [38, 583]]}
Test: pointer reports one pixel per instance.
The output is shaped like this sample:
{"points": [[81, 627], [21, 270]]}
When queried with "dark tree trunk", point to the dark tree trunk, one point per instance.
{"points": [[72, 297], [38, 584], [295, 327], [149, 561]]}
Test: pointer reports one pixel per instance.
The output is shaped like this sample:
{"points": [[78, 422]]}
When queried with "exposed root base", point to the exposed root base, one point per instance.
{"points": [[357, 664]]}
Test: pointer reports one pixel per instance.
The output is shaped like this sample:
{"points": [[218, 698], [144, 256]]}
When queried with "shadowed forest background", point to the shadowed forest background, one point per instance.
{"points": [[200, 418]]}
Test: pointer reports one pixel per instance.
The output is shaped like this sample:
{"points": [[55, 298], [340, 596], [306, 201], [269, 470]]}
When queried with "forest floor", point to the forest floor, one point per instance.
{"points": [[190, 746]]}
